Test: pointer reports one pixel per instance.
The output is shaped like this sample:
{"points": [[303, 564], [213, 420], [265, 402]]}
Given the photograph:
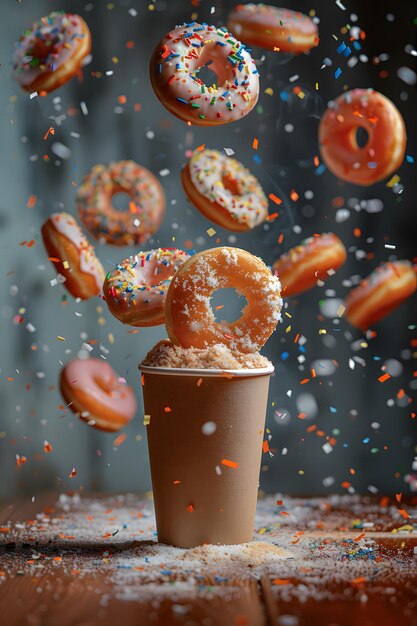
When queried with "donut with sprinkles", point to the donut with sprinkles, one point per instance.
{"points": [[52, 52], [224, 191], [135, 290], [106, 223], [174, 72]]}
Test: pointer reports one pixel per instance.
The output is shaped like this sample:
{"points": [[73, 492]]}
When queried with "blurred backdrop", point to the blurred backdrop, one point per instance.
{"points": [[113, 114]]}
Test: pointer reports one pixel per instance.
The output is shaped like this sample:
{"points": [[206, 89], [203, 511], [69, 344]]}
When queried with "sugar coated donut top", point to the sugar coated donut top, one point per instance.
{"points": [[176, 63], [106, 223], [208, 169], [189, 317], [67, 226], [46, 46]]}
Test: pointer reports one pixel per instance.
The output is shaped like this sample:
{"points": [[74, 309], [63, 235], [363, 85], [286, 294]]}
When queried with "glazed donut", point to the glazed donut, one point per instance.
{"points": [[174, 69], [376, 296], [135, 290], [189, 318], [273, 28], [52, 52], [224, 191], [65, 242], [384, 150], [95, 393], [315, 259], [121, 228]]}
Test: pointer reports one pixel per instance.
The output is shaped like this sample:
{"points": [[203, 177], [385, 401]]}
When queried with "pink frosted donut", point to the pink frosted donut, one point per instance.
{"points": [[94, 391], [121, 228], [174, 69], [73, 256], [135, 290], [52, 52]]}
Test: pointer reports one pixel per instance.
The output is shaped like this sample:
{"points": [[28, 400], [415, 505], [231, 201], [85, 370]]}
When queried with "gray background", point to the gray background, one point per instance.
{"points": [[348, 403]]}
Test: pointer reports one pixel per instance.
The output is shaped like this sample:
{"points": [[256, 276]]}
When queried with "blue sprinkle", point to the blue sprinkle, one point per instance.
{"points": [[333, 409], [347, 52], [257, 159], [284, 96], [409, 158], [320, 169], [372, 165], [337, 72], [341, 48], [285, 355], [366, 440], [357, 45], [182, 100]]}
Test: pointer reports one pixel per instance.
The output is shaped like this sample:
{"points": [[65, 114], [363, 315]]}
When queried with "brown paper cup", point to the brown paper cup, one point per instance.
{"points": [[205, 485]]}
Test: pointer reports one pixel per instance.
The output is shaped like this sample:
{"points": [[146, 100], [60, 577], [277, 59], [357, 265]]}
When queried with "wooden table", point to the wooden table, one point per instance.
{"points": [[87, 561]]}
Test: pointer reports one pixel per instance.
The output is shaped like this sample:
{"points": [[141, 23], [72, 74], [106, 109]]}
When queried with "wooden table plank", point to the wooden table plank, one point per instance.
{"points": [[93, 561]]}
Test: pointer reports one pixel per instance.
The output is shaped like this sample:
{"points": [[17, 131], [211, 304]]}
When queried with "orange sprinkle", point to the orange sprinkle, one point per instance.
{"points": [[57, 558], [384, 377], [294, 195], [296, 337], [122, 99], [281, 238], [404, 513], [272, 216], [255, 143], [130, 44], [346, 484], [31, 202], [265, 446], [281, 581], [279, 502], [398, 496], [190, 508], [176, 482], [72, 473], [201, 148], [274, 198], [357, 232], [120, 439], [284, 513], [199, 381], [361, 580], [5, 529], [47, 447], [359, 537], [304, 381], [167, 409], [229, 463]]}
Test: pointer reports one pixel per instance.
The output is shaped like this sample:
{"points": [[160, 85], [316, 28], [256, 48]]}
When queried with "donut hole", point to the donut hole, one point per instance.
{"points": [[361, 137], [231, 184], [211, 61], [121, 201], [41, 49], [207, 74], [227, 305], [103, 386]]}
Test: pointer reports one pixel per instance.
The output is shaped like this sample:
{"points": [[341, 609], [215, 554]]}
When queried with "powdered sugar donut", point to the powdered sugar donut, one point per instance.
{"points": [[73, 256], [189, 318], [95, 392], [52, 52], [121, 228], [273, 28], [379, 294], [384, 150], [135, 290], [224, 191], [174, 69]]}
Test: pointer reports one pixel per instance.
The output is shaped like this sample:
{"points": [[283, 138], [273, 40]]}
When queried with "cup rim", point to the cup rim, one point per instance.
{"points": [[183, 371]]}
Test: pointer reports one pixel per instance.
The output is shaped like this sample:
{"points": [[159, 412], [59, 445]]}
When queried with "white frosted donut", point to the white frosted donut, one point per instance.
{"points": [[66, 243], [135, 290], [174, 69], [224, 190]]}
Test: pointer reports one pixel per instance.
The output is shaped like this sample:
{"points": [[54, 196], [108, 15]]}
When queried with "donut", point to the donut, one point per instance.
{"points": [[52, 52], [224, 191], [376, 296], [73, 256], [95, 393], [273, 28], [121, 228], [189, 318], [175, 66], [384, 150], [315, 259], [135, 290]]}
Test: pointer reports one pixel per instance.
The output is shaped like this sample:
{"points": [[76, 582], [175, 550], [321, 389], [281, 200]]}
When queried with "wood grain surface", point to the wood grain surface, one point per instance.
{"points": [[60, 566]]}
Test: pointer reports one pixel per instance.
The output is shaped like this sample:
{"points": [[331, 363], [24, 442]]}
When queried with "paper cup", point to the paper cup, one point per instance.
{"points": [[205, 436]]}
